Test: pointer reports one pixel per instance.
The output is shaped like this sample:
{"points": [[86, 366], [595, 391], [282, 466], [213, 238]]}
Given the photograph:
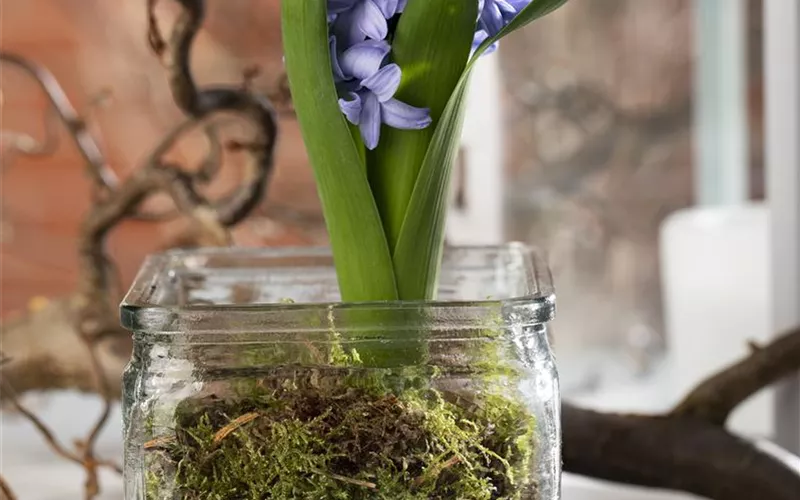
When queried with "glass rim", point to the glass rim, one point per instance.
{"points": [[141, 311]]}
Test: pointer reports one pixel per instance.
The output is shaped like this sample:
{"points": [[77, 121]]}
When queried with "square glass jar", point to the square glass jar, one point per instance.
{"points": [[249, 379]]}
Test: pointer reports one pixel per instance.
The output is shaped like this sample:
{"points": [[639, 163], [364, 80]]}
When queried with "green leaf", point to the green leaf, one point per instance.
{"points": [[361, 253], [418, 252], [431, 45], [417, 256]]}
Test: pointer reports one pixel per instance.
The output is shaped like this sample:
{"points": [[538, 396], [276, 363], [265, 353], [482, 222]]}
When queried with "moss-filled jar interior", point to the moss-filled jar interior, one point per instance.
{"points": [[249, 380]]}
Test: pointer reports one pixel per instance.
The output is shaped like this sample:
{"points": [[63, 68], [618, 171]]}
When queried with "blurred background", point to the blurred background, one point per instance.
{"points": [[624, 138]]}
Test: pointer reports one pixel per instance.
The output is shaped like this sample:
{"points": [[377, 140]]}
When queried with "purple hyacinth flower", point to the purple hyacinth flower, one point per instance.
{"points": [[358, 20], [363, 59], [336, 7], [387, 7], [494, 15], [374, 104], [339, 6], [359, 51], [390, 7], [519, 4]]}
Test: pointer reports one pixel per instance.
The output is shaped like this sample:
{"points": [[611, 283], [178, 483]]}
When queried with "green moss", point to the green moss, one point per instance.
{"points": [[350, 435], [313, 421]]}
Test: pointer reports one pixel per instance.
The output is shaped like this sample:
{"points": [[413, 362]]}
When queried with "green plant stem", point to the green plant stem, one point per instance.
{"points": [[431, 45], [417, 254], [360, 250]]}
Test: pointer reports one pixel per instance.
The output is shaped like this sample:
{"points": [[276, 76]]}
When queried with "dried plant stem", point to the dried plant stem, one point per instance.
{"points": [[51, 440]]}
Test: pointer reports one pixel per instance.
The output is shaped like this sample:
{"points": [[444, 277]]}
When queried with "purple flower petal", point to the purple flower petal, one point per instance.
{"points": [[388, 7], [403, 116], [384, 83], [491, 18], [351, 109], [507, 10], [338, 74], [347, 30], [364, 59], [339, 6], [370, 20], [370, 124], [519, 4], [481, 37], [401, 6]]}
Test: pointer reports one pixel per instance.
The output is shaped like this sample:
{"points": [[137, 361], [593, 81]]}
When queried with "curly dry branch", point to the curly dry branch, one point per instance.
{"points": [[46, 343], [199, 103], [105, 180], [688, 449], [99, 170], [158, 176]]}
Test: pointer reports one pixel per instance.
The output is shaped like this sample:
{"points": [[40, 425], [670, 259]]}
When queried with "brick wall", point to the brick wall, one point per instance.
{"points": [[94, 46]]}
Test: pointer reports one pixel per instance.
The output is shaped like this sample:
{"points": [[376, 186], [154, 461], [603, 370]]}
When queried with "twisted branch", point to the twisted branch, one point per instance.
{"points": [[182, 186], [200, 103], [47, 434], [104, 178]]}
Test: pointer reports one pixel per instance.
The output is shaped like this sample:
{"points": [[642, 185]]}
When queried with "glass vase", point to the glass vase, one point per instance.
{"points": [[250, 380]]}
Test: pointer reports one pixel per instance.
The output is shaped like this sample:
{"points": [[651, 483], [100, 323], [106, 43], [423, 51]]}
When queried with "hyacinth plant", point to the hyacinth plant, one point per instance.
{"points": [[379, 87]]}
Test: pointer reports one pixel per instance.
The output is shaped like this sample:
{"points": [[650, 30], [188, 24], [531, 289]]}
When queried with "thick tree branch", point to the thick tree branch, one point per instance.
{"points": [[688, 449], [672, 453], [715, 399]]}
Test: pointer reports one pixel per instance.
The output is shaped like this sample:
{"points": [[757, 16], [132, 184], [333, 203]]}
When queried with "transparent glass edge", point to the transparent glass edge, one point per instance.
{"points": [[138, 312]]}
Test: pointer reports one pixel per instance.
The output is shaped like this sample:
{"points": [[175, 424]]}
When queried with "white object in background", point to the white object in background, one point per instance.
{"points": [[716, 287], [476, 217], [782, 84]]}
